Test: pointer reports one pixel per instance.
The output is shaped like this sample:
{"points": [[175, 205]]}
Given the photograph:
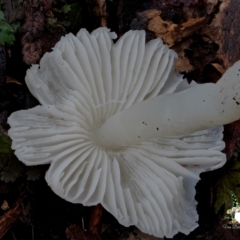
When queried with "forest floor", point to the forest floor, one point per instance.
{"points": [[206, 36]]}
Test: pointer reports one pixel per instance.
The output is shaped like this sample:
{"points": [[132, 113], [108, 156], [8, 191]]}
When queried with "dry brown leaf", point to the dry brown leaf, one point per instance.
{"points": [[224, 30], [177, 24], [170, 32]]}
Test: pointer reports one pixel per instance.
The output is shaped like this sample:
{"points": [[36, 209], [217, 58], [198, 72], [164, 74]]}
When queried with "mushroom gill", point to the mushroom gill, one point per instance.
{"points": [[121, 128]]}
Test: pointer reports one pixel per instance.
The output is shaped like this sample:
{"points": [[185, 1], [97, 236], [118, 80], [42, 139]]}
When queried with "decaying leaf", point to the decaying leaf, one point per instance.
{"points": [[228, 184], [175, 35], [170, 32], [178, 23]]}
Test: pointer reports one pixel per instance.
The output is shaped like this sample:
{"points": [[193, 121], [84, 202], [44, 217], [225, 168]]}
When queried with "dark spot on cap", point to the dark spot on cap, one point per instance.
{"points": [[138, 136], [157, 128], [237, 103], [234, 98]]}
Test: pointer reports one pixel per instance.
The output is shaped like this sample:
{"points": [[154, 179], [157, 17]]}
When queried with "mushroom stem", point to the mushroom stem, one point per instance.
{"points": [[197, 108]]}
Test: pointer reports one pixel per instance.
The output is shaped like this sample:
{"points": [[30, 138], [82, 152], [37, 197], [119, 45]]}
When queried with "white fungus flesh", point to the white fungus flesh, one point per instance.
{"points": [[193, 109], [119, 127]]}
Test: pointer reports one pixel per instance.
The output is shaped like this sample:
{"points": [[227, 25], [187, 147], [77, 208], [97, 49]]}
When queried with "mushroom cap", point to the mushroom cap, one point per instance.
{"points": [[80, 84]]}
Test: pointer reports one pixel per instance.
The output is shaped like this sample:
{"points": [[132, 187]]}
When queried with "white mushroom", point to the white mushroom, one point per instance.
{"points": [[119, 127]]}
